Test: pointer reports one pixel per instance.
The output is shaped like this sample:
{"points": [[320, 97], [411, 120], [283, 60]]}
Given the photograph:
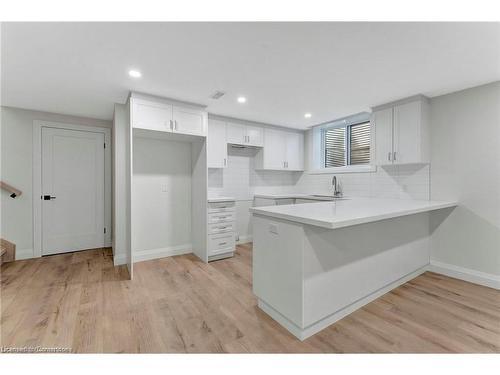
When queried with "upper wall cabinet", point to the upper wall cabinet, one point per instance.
{"points": [[282, 150], [245, 135], [216, 144], [173, 118], [402, 132]]}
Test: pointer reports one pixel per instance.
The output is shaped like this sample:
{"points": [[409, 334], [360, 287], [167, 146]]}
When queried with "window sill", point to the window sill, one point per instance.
{"points": [[348, 169]]}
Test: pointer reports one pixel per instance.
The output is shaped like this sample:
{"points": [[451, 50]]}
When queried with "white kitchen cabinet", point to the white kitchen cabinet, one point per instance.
{"points": [[189, 121], [221, 229], [383, 135], [402, 132], [294, 151], [282, 151], [151, 115], [245, 135], [255, 136], [162, 116], [216, 144]]}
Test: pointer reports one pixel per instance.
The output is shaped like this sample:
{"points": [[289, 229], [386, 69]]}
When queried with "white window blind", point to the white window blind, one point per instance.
{"points": [[359, 144], [335, 147], [347, 144]]}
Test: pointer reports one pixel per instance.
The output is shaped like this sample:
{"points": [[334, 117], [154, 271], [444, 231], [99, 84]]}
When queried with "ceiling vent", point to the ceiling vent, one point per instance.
{"points": [[217, 95]]}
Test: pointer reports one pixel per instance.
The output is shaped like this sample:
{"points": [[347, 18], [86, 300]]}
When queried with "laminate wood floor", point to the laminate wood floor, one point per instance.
{"points": [[179, 304]]}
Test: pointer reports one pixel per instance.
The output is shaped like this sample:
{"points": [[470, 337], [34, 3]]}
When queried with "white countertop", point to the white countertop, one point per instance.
{"points": [[317, 197], [344, 213], [220, 199]]}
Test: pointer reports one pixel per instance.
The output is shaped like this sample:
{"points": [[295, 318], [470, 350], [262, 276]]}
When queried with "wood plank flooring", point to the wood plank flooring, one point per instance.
{"points": [[179, 304]]}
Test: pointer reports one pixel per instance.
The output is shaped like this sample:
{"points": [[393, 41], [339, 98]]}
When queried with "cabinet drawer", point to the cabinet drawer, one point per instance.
{"points": [[220, 228], [228, 206], [221, 243], [220, 217]]}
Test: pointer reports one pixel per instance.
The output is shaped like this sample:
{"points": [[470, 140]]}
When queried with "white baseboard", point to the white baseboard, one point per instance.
{"points": [[119, 259], [24, 254], [245, 239], [140, 256], [304, 333], [466, 274]]}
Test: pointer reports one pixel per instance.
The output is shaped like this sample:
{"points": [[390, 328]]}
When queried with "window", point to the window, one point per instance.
{"points": [[346, 144]]}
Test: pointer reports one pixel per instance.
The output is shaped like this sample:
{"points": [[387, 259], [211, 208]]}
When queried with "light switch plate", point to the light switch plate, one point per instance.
{"points": [[163, 188]]}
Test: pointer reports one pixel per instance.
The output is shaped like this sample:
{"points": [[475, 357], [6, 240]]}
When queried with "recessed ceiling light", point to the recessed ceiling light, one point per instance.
{"points": [[241, 99], [134, 73], [307, 115]]}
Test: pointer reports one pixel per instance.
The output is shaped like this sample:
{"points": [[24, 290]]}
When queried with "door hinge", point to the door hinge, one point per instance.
{"points": [[104, 230]]}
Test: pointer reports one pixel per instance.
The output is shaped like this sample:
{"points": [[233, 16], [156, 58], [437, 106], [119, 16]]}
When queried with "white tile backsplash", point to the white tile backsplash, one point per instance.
{"points": [[241, 181]]}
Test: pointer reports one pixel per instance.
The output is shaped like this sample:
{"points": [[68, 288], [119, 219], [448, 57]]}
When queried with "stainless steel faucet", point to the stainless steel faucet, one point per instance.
{"points": [[337, 187]]}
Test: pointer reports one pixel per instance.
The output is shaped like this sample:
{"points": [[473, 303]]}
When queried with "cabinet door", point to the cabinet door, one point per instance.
{"points": [[295, 151], [235, 134], [216, 144], [254, 136], [407, 133], [151, 115], [383, 135], [274, 149], [189, 121]]}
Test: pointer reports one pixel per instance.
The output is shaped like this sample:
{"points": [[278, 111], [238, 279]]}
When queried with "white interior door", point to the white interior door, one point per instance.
{"points": [[72, 190]]}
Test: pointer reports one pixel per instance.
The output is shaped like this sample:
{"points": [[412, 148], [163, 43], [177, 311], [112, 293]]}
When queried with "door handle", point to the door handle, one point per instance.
{"points": [[48, 197]]}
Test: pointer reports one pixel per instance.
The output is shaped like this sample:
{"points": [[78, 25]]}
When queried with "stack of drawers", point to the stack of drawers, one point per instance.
{"points": [[221, 229]]}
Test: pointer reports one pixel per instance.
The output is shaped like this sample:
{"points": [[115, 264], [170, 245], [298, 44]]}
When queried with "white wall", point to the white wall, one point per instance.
{"points": [[241, 181], [161, 198], [17, 170], [120, 139], [465, 159]]}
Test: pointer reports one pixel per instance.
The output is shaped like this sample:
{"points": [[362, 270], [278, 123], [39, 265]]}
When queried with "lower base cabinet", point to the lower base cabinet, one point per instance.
{"points": [[221, 234]]}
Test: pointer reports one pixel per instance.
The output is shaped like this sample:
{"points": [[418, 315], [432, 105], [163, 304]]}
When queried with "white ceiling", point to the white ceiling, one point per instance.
{"points": [[284, 69]]}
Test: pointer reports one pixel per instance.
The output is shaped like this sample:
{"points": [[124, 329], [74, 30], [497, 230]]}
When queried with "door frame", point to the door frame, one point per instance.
{"points": [[37, 178]]}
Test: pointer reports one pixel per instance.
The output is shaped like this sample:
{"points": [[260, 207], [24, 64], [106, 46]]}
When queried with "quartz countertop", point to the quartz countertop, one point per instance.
{"points": [[315, 197], [220, 199], [343, 213]]}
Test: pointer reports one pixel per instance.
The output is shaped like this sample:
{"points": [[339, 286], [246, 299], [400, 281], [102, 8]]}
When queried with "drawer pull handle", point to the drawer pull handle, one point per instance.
{"points": [[222, 243]]}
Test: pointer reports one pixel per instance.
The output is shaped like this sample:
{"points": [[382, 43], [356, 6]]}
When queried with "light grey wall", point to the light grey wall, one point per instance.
{"points": [[17, 169], [465, 166]]}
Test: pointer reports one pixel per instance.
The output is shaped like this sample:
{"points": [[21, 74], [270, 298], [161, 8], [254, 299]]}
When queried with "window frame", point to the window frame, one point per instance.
{"points": [[320, 147]]}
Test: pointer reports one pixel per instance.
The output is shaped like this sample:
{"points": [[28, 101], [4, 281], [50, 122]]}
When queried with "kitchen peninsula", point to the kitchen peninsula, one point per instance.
{"points": [[315, 263]]}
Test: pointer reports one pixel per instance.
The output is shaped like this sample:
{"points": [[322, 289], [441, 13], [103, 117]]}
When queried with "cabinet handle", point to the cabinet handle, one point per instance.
{"points": [[175, 124], [389, 156], [171, 125], [394, 156], [222, 243], [225, 162]]}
